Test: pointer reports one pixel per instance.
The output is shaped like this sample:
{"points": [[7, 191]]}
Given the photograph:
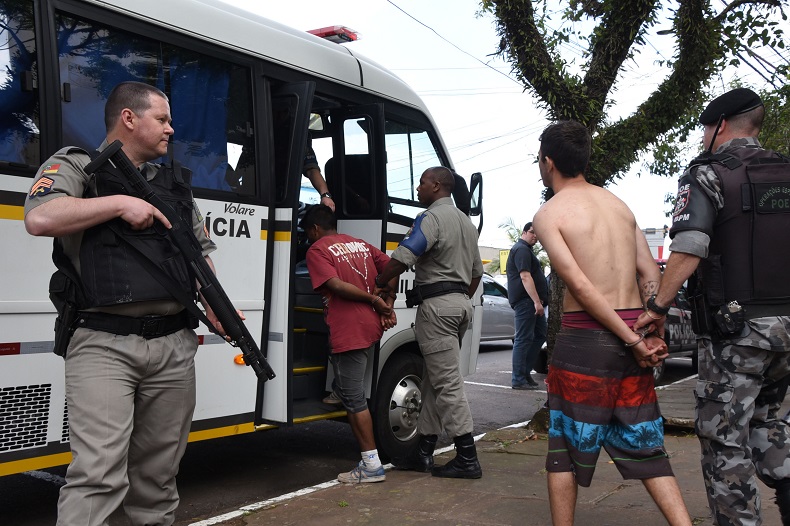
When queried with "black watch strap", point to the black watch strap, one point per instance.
{"points": [[326, 194], [651, 305], [376, 281]]}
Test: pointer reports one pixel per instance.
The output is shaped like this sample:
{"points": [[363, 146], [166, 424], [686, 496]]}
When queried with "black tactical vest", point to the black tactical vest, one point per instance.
{"points": [[113, 271], [749, 253]]}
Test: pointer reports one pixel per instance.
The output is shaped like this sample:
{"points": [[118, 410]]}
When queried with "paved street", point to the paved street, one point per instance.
{"points": [[221, 475]]}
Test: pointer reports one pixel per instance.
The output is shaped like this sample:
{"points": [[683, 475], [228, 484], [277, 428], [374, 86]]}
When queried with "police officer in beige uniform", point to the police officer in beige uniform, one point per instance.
{"points": [[442, 246], [130, 377]]}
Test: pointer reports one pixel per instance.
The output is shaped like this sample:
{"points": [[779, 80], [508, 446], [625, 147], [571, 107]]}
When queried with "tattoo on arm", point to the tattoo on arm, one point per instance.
{"points": [[648, 289]]}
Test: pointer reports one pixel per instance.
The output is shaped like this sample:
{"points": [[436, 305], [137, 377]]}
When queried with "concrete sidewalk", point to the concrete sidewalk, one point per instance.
{"points": [[511, 492]]}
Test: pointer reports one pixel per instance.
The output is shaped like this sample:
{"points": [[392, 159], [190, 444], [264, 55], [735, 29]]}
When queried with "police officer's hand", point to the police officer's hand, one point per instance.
{"points": [[140, 214], [328, 202], [381, 291], [217, 325], [646, 320]]}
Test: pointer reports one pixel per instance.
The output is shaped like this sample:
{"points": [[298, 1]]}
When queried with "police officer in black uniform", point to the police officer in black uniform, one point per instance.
{"points": [[130, 377], [732, 226]]}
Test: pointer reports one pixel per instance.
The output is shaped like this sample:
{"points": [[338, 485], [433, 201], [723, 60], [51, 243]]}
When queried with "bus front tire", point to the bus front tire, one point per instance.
{"points": [[397, 406]]}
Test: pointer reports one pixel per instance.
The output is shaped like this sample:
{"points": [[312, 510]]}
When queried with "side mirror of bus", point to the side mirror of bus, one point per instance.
{"points": [[476, 197], [476, 194]]}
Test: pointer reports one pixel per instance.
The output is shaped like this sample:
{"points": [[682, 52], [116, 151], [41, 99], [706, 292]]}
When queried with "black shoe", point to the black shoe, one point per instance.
{"points": [[421, 459], [459, 468], [465, 464], [525, 387], [531, 381]]}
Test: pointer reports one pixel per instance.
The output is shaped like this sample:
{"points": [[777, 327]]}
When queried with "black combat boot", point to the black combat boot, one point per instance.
{"points": [[783, 500], [465, 464], [421, 459]]}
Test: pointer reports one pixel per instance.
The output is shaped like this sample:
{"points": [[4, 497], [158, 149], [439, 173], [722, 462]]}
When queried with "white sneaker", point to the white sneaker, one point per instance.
{"points": [[361, 474], [332, 399]]}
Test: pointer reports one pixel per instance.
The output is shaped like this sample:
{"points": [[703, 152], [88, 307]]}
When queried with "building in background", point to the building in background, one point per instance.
{"points": [[655, 240]]}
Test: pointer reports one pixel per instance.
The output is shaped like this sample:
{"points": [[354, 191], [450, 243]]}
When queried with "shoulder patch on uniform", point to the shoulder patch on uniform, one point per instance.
{"points": [[51, 169], [682, 199], [42, 187]]}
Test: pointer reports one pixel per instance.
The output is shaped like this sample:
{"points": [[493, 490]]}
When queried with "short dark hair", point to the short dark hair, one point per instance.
{"points": [[750, 119], [320, 215], [443, 176], [527, 227], [568, 143], [132, 95]]}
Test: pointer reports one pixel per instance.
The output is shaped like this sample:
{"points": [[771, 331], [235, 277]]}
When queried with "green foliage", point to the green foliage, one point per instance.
{"points": [[611, 33], [513, 232], [775, 133], [676, 148]]}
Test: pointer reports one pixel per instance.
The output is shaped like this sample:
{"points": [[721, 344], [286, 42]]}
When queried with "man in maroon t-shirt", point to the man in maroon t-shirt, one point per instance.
{"points": [[343, 269]]}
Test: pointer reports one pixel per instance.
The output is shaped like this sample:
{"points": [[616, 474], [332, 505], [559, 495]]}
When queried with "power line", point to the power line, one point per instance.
{"points": [[456, 47]]}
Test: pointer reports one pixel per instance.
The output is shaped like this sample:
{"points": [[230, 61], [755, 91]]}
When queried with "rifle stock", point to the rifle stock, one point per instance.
{"points": [[182, 236]]}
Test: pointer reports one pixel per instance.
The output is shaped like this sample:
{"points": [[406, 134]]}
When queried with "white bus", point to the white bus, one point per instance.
{"points": [[247, 95]]}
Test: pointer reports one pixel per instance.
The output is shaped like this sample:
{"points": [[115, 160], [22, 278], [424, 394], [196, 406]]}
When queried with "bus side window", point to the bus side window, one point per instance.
{"points": [[410, 152], [210, 99], [357, 187], [357, 184], [19, 109]]}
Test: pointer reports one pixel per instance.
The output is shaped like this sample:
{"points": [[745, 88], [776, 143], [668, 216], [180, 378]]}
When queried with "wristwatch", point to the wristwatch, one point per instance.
{"points": [[651, 305], [376, 281], [326, 194]]}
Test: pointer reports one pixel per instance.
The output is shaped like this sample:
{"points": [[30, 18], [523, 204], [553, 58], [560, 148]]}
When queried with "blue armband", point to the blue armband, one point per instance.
{"points": [[415, 240]]}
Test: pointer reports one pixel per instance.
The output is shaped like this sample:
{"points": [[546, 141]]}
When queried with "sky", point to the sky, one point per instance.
{"points": [[490, 124]]}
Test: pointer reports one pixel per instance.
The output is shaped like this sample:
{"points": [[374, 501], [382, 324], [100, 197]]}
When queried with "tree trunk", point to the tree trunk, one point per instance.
{"points": [[540, 420], [556, 295]]}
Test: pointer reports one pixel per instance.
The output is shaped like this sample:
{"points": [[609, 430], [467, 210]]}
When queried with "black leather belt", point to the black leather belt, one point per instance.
{"points": [[148, 327], [442, 287]]}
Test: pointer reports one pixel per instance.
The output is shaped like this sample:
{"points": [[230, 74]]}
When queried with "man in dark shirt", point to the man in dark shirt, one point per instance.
{"points": [[528, 292]]}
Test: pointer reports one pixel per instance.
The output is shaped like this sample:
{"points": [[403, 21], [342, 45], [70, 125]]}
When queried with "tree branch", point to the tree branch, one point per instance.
{"points": [[699, 46], [732, 6], [526, 47], [611, 46]]}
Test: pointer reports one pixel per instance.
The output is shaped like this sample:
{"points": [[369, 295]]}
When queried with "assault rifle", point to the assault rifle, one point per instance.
{"points": [[184, 239]]}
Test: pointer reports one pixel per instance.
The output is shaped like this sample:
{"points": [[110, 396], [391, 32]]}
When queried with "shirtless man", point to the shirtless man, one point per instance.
{"points": [[601, 392]]}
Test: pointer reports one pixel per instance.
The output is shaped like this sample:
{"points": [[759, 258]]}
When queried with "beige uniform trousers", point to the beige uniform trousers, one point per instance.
{"points": [[440, 326], [130, 404]]}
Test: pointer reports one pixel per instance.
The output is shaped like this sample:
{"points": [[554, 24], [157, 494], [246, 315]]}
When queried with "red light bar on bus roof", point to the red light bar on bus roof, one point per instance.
{"points": [[337, 34]]}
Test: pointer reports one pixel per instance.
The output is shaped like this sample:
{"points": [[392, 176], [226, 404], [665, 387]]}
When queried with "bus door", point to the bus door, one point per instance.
{"points": [[290, 113], [357, 172]]}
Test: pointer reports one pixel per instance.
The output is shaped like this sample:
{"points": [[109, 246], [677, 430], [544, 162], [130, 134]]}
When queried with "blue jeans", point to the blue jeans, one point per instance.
{"points": [[530, 337]]}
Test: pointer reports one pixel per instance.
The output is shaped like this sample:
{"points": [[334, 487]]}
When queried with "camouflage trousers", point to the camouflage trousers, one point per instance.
{"points": [[742, 383]]}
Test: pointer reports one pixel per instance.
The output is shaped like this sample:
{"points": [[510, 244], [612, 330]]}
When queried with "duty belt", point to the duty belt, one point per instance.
{"points": [[148, 327], [763, 310], [440, 288]]}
